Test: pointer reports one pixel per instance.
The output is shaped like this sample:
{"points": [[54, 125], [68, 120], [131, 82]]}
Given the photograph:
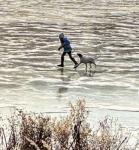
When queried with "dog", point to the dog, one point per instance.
{"points": [[86, 60]]}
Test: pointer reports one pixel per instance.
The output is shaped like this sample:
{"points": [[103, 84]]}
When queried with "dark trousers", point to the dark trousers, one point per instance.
{"points": [[70, 56]]}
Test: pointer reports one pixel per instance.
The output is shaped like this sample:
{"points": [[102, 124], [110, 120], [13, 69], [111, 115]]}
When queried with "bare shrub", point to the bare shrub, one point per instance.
{"points": [[72, 132]]}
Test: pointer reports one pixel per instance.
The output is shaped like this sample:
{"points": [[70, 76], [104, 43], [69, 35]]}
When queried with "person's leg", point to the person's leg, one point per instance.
{"points": [[70, 56], [62, 59]]}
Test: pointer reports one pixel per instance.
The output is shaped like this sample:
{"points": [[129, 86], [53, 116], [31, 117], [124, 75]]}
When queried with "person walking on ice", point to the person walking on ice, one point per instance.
{"points": [[65, 44]]}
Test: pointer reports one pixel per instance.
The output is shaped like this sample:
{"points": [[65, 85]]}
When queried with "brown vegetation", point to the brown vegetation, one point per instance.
{"points": [[73, 132]]}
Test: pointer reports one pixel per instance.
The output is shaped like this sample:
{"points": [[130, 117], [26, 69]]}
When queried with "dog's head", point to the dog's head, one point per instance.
{"points": [[80, 55]]}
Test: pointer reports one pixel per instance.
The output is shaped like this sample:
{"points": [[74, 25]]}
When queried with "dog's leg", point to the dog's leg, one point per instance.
{"points": [[86, 67], [90, 65], [94, 64]]}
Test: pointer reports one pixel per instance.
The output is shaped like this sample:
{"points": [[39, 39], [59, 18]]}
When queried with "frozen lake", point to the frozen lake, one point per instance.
{"points": [[29, 41]]}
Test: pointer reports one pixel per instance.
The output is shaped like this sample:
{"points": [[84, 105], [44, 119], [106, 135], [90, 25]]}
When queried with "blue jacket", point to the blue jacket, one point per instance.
{"points": [[66, 45]]}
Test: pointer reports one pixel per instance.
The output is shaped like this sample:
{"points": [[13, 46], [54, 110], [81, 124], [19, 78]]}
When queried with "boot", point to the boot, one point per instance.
{"points": [[60, 65]]}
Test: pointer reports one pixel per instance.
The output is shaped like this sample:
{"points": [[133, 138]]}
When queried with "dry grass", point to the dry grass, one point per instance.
{"points": [[39, 132]]}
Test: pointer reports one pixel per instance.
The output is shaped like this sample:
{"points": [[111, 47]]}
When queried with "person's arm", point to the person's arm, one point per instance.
{"points": [[61, 46]]}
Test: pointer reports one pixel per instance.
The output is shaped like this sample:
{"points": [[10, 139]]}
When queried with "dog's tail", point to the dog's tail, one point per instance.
{"points": [[96, 57]]}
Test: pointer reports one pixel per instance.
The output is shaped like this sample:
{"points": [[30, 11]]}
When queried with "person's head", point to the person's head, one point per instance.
{"points": [[61, 36]]}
